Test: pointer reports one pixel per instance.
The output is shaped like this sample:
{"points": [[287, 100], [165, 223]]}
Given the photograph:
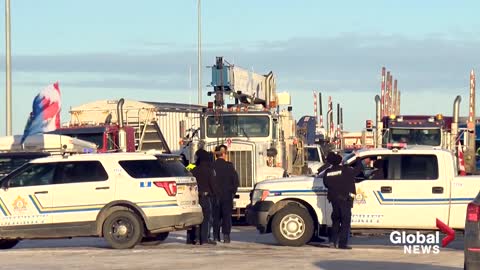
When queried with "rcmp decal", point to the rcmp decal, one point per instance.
{"points": [[19, 205], [360, 197]]}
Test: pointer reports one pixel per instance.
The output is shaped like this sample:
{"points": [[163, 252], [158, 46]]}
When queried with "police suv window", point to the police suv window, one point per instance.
{"points": [[154, 168], [32, 175], [419, 167], [80, 171]]}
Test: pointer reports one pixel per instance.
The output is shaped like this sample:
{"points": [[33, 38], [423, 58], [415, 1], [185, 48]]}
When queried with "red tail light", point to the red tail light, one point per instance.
{"points": [[473, 212], [169, 186]]}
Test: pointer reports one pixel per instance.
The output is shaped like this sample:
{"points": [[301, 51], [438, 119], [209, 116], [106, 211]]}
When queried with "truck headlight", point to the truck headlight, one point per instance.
{"points": [[259, 195]]}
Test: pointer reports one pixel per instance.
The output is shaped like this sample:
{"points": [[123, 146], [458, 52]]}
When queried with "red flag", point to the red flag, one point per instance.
{"points": [[461, 161]]}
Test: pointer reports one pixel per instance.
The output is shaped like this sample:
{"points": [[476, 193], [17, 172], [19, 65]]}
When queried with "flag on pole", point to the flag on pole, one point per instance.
{"points": [[45, 115]]}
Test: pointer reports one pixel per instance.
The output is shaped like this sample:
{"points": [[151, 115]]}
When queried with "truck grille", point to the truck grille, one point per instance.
{"points": [[242, 160]]}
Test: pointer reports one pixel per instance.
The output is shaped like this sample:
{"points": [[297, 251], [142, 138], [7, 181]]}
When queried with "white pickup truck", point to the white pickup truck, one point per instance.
{"points": [[415, 187]]}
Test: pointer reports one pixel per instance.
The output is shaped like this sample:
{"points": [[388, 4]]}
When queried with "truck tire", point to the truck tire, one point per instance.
{"points": [[154, 239], [123, 229], [8, 243], [292, 226]]}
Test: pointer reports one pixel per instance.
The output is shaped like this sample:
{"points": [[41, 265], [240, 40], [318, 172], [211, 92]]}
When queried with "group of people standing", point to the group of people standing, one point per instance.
{"points": [[217, 183]]}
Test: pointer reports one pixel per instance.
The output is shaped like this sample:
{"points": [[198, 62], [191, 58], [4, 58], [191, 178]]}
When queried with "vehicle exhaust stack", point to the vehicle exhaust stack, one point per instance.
{"points": [[378, 120], [321, 109], [122, 134]]}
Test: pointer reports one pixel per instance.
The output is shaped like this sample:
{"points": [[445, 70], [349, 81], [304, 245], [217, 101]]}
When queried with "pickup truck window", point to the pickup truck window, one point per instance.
{"points": [[419, 167], [373, 168], [312, 154]]}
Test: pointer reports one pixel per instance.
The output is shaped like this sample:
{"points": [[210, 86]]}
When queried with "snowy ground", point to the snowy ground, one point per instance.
{"points": [[248, 250]]}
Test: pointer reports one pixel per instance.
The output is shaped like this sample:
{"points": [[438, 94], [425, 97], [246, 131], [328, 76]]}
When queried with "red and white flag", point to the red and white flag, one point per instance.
{"points": [[461, 161]]}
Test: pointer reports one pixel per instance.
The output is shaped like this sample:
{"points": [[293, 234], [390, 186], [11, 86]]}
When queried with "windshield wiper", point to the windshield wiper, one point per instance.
{"points": [[245, 133]]}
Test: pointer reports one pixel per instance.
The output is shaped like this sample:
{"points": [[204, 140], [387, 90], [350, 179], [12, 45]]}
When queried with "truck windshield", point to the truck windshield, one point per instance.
{"points": [[96, 138], [239, 126], [312, 154], [416, 136]]}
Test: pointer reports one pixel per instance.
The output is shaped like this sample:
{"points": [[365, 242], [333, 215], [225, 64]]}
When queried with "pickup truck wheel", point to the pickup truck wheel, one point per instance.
{"points": [[292, 226], [8, 243], [123, 229], [154, 239]]}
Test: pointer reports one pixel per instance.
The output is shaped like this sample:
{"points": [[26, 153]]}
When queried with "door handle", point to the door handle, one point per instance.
{"points": [[437, 190], [41, 192], [386, 189], [99, 188]]}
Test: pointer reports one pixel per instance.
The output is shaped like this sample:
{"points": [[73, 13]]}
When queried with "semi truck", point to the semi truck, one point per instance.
{"points": [[257, 127], [129, 125]]}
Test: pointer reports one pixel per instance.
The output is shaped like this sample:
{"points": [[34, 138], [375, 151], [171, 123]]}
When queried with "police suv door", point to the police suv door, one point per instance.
{"points": [[373, 205], [24, 194], [420, 191], [81, 190]]}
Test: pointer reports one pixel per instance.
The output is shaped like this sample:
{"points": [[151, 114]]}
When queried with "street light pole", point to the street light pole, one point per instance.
{"points": [[199, 54], [8, 70]]}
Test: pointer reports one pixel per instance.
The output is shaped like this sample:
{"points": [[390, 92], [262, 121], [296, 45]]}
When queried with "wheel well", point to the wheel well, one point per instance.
{"points": [[118, 206], [281, 204]]}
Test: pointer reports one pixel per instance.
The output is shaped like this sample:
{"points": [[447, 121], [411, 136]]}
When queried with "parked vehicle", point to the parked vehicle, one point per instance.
{"points": [[423, 180], [129, 125], [258, 128], [124, 197], [13, 154], [472, 235]]}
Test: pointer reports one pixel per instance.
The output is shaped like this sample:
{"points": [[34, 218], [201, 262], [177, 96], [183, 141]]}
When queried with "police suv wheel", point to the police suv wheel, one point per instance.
{"points": [[8, 243], [292, 226], [123, 229], [154, 239]]}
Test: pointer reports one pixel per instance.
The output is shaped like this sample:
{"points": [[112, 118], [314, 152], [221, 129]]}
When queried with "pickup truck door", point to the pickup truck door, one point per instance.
{"points": [[373, 205], [420, 191]]}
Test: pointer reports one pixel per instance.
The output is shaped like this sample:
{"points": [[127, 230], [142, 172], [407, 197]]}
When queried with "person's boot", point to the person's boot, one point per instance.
{"points": [[211, 242], [216, 237], [226, 238]]}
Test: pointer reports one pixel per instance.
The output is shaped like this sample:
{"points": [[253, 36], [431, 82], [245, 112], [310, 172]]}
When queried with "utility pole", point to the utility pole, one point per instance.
{"points": [[199, 54], [8, 67]]}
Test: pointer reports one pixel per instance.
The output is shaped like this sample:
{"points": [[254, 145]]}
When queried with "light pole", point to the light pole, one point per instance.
{"points": [[199, 54], [8, 70]]}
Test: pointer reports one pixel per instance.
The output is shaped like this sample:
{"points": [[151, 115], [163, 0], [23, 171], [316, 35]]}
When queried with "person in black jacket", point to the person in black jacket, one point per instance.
{"points": [[224, 188], [204, 175], [340, 181]]}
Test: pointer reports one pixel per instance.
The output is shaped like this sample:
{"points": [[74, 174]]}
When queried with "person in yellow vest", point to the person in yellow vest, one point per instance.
{"points": [[193, 232], [191, 166]]}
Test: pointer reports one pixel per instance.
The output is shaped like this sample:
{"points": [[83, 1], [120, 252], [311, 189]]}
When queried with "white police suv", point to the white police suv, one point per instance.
{"points": [[124, 197]]}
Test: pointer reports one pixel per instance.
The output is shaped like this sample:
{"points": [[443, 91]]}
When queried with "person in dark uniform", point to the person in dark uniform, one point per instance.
{"points": [[204, 174], [340, 181], [224, 189]]}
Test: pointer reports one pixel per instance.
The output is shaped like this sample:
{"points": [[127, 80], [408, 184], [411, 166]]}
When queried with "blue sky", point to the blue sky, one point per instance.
{"points": [[110, 49]]}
